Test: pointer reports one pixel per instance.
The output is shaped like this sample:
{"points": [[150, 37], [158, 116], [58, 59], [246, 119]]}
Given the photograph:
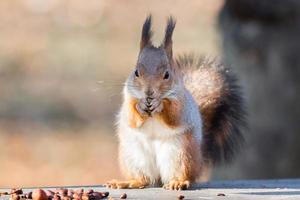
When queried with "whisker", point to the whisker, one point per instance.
{"points": [[112, 85]]}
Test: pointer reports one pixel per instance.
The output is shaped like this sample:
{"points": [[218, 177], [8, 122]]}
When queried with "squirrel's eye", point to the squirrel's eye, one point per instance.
{"points": [[166, 76], [136, 73]]}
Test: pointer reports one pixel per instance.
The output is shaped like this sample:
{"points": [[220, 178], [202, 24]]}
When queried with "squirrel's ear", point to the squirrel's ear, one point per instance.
{"points": [[168, 43], [146, 33]]}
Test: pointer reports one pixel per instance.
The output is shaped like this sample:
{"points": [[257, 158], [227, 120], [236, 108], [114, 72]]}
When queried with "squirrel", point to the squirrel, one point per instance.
{"points": [[179, 117]]}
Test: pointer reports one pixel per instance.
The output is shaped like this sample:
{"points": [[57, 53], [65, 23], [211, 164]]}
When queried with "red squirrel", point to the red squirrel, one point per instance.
{"points": [[178, 118]]}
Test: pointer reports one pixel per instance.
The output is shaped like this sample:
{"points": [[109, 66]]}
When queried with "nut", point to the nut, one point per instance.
{"points": [[85, 197], [63, 192], [28, 195], [123, 196], [105, 194], [79, 191], [96, 195], [49, 193], [66, 198], [77, 196], [39, 194], [90, 191], [70, 192], [56, 197], [15, 197], [16, 191]]}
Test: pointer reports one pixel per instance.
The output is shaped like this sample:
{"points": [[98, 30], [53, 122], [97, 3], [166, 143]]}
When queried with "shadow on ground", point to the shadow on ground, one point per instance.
{"points": [[253, 184], [273, 193]]}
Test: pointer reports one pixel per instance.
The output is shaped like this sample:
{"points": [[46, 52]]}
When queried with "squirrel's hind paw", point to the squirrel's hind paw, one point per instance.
{"points": [[132, 184], [177, 185]]}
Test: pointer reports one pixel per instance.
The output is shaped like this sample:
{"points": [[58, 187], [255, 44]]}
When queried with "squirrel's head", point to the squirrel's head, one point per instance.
{"points": [[154, 75]]}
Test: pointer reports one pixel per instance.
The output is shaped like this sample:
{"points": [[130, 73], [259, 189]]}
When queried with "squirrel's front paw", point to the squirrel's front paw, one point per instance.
{"points": [[177, 185], [155, 106], [148, 108], [142, 108]]}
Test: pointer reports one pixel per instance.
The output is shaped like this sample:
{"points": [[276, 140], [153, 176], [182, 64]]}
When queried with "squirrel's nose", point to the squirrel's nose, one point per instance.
{"points": [[149, 92]]}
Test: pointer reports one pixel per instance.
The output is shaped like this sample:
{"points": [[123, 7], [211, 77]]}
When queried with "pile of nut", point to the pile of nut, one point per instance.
{"points": [[58, 194]]}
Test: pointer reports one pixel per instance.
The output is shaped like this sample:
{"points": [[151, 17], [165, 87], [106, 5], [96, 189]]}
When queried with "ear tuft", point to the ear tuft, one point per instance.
{"points": [[168, 43], [146, 33]]}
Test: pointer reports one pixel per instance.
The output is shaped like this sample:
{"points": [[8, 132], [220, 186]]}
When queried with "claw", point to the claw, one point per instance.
{"points": [[177, 185], [132, 184]]}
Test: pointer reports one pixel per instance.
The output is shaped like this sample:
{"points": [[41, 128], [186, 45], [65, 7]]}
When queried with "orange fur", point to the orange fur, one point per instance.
{"points": [[136, 120], [171, 113], [189, 163], [131, 183], [191, 158]]}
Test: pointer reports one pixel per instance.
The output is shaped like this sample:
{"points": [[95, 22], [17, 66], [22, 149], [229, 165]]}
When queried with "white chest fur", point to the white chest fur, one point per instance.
{"points": [[156, 129], [151, 150]]}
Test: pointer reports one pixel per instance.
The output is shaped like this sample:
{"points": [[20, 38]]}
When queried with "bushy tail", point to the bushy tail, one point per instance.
{"points": [[215, 90]]}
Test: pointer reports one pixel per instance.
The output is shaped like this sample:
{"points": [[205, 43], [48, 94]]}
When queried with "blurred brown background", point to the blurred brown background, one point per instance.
{"points": [[63, 62], [62, 65]]}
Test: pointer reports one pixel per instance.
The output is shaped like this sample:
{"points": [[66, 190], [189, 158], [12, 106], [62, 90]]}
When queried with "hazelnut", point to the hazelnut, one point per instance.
{"points": [[123, 196], [105, 194], [63, 192], [79, 191], [39, 194], [49, 193], [90, 191], [66, 198], [28, 195], [77, 196], [96, 195], [15, 197], [16, 191], [70, 192], [85, 197], [56, 197]]}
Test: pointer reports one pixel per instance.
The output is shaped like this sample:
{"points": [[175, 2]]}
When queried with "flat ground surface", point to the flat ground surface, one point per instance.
{"points": [[253, 189]]}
